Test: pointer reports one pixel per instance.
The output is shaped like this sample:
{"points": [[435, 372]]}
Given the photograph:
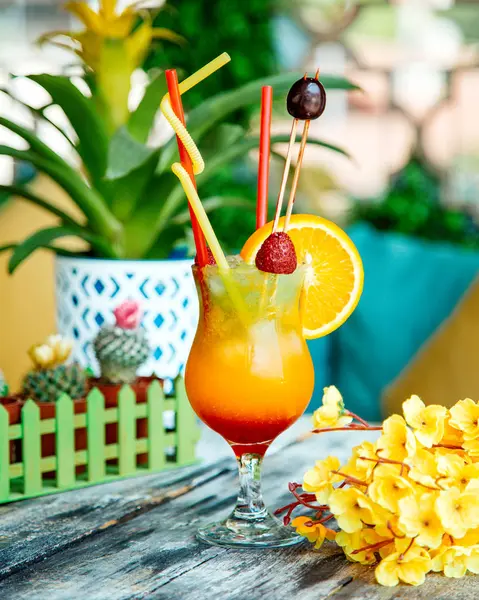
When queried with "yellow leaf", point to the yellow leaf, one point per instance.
{"points": [[86, 15], [138, 43], [161, 33], [107, 8]]}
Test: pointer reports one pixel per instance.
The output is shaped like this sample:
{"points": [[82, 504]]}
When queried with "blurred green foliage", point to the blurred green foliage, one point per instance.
{"points": [[240, 27], [412, 206], [243, 28]]}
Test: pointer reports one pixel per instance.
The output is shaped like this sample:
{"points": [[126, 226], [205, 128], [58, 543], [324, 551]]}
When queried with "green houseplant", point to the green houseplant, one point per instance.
{"points": [[133, 207]]}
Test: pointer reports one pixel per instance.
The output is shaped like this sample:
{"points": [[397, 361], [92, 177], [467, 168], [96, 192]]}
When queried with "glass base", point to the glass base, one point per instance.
{"points": [[260, 532]]}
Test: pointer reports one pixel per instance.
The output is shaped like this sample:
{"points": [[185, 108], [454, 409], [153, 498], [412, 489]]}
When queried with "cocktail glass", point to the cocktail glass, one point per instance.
{"points": [[249, 376]]}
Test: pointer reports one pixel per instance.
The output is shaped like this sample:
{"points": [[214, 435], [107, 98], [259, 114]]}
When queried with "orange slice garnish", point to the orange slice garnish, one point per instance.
{"points": [[335, 278]]}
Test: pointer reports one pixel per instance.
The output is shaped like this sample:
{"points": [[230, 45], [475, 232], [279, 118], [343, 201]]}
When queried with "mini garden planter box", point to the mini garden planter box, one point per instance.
{"points": [[26, 477], [111, 392], [88, 290], [13, 406], [48, 441]]}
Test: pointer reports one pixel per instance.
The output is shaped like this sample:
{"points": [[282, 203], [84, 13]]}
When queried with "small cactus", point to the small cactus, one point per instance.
{"points": [[50, 376], [123, 347]]}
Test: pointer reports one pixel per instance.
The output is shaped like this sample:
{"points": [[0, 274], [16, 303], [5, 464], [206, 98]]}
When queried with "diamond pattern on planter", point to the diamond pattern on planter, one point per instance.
{"points": [[164, 289], [159, 320]]}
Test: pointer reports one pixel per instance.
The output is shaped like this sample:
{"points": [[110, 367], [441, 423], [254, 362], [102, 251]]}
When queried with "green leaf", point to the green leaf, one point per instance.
{"points": [[127, 192], [17, 190], [125, 154], [36, 145], [283, 138], [80, 111], [214, 203], [87, 199], [141, 120], [44, 237], [139, 232], [39, 113]]}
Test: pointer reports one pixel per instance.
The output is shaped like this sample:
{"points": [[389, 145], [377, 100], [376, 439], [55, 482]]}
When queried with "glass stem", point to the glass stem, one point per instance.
{"points": [[249, 504]]}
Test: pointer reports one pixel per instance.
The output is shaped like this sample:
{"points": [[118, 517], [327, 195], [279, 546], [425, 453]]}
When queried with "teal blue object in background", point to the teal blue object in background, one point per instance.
{"points": [[321, 354], [410, 287]]}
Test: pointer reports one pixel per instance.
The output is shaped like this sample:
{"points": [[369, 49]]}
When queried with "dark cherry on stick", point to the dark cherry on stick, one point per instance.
{"points": [[211, 258], [277, 254], [306, 99]]}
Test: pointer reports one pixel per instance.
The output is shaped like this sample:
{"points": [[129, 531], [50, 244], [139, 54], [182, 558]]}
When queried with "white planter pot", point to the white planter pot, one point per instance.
{"points": [[88, 290]]}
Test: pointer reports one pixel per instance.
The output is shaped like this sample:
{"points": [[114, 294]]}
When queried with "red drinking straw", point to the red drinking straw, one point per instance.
{"points": [[264, 151], [177, 106]]}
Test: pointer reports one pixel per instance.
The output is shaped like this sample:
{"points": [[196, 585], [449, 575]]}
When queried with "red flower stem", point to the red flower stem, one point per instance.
{"points": [[358, 418], [401, 556], [342, 484], [448, 446], [324, 519], [396, 535], [316, 507], [375, 546], [350, 478], [358, 428]]}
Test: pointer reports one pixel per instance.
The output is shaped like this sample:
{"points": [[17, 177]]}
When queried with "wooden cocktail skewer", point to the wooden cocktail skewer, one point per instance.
{"points": [[307, 114], [297, 172], [284, 180], [306, 101]]}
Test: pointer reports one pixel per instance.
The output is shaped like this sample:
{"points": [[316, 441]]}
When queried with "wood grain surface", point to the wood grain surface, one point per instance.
{"points": [[135, 539]]}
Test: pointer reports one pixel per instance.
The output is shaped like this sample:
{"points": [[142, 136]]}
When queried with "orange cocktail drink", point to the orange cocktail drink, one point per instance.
{"points": [[249, 375]]}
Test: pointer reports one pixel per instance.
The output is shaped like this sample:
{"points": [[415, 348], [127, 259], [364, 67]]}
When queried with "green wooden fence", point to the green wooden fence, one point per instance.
{"points": [[24, 473]]}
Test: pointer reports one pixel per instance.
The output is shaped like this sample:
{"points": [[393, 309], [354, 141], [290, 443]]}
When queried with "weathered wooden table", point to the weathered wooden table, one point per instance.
{"points": [[135, 539]]}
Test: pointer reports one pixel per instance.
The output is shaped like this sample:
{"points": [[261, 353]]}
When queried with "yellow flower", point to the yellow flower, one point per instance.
{"points": [[423, 468], [409, 566], [61, 347], [452, 436], [471, 447], [418, 519], [315, 533], [320, 478], [458, 510], [471, 538], [43, 356], [427, 421], [351, 508], [455, 471], [465, 416], [113, 44], [397, 441], [455, 561], [358, 467], [351, 542], [332, 412], [388, 487]]}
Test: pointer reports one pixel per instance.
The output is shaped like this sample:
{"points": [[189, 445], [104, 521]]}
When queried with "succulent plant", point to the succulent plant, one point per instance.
{"points": [[3, 386], [121, 348], [50, 376]]}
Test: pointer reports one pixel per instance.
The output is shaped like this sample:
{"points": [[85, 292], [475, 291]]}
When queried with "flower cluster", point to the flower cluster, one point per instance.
{"points": [[408, 503], [54, 351]]}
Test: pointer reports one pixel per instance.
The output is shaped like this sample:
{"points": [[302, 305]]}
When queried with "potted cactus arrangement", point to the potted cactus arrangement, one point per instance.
{"points": [[121, 348], [132, 213], [50, 377]]}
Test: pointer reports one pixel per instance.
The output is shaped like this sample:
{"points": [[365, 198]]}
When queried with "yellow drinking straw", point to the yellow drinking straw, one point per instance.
{"points": [[197, 161], [200, 213]]}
